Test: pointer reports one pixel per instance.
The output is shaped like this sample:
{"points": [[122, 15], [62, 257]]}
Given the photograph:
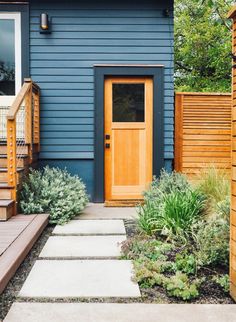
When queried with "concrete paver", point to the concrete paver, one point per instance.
{"points": [[98, 211], [82, 246], [91, 227], [80, 278], [107, 312]]}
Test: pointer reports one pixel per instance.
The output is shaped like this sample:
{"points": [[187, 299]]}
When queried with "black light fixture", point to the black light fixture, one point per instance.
{"points": [[44, 24]]}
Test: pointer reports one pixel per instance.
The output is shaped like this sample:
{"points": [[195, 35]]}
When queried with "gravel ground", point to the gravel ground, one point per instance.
{"points": [[15, 284]]}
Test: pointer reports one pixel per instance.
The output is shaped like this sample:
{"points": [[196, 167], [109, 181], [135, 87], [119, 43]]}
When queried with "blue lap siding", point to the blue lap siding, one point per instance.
{"points": [[86, 33]]}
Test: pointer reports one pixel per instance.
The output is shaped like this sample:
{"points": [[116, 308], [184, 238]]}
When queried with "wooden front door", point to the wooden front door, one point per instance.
{"points": [[128, 137]]}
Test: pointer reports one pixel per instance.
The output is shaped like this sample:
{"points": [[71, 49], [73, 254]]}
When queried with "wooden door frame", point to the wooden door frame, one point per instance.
{"points": [[100, 73]]}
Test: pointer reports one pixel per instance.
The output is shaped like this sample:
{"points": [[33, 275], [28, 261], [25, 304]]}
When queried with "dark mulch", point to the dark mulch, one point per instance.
{"points": [[10, 293], [211, 293]]}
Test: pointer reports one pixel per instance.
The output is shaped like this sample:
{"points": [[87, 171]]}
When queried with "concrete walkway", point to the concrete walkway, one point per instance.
{"points": [[81, 261]]}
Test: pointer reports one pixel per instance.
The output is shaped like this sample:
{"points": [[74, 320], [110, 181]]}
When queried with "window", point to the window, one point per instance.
{"points": [[128, 102]]}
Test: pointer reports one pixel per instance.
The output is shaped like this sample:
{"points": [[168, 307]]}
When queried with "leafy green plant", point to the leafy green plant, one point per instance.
{"points": [[186, 263], [178, 285], [53, 191], [212, 242], [214, 183], [223, 209], [181, 286], [180, 210], [173, 215], [202, 25], [148, 213], [150, 249], [223, 281], [168, 182], [171, 206]]}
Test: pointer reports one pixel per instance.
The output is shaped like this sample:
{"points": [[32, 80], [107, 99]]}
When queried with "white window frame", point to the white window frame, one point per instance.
{"points": [[16, 16]]}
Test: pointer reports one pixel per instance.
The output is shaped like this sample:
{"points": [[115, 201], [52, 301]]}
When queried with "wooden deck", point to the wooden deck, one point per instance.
{"points": [[17, 236]]}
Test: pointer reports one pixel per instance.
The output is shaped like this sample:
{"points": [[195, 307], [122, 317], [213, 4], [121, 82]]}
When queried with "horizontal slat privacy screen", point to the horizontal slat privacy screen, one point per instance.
{"points": [[202, 132], [232, 14]]}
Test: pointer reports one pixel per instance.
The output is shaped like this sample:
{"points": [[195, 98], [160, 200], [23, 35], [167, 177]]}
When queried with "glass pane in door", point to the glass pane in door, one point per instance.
{"points": [[7, 57], [128, 102]]}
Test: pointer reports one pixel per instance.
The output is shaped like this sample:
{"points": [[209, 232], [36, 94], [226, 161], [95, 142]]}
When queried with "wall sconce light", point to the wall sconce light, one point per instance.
{"points": [[45, 25]]}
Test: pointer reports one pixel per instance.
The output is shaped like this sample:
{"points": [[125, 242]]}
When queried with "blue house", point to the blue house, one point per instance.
{"points": [[105, 73]]}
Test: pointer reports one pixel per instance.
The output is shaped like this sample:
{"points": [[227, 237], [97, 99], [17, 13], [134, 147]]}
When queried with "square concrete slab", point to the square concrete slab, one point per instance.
{"points": [[110, 312], [91, 227], [80, 278], [82, 246], [98, 211]]}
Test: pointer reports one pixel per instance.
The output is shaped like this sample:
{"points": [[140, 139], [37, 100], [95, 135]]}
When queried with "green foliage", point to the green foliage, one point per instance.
{"points": [[181, 286], [53, 191], [171, 207], [178, 285], [202, 45], [212, 242], [214, 183], [223, 209], [223, 281], [186, 263], [179, 212], [150, 249], [175, 209], [167, 183]]}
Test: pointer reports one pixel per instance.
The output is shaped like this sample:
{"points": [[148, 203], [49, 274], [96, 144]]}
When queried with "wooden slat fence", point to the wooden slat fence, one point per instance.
{"points": [[232, 15], [202, 132]]}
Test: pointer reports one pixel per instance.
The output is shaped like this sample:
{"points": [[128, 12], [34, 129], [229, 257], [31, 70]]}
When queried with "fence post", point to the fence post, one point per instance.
{"points": [[178, 144]]}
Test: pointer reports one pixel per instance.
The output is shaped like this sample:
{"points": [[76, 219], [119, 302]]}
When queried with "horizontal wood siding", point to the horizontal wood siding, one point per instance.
{"points": [[86, 33], [202, 131], [233, 186]]}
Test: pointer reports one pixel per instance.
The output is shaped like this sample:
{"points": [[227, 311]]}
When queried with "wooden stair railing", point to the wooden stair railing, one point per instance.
{"points": [[23, 133]]}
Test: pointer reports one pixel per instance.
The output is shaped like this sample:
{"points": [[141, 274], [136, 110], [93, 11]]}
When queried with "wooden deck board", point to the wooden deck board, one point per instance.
{"points": [[14, 248], [11, 229]]}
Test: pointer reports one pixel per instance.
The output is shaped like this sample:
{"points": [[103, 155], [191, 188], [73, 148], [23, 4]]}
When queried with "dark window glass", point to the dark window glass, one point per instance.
{"points": [[128, 102], [7, 57]]}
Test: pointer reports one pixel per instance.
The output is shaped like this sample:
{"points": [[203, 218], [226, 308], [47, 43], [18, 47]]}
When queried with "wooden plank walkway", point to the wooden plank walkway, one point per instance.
{"points": [[17, 236], [11, 229]]}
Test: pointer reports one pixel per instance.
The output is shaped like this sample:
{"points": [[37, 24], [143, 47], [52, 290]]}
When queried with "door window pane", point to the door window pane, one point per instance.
{"points": [[7, 57], [128, 103]]}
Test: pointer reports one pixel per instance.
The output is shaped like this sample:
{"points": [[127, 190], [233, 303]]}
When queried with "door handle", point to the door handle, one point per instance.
{"points": [[107, 145]]}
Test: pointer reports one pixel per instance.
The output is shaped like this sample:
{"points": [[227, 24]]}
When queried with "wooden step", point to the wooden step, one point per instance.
{"points": [[21, 162], [6, 209], [19, 150], [5, 191], [3, 174]]}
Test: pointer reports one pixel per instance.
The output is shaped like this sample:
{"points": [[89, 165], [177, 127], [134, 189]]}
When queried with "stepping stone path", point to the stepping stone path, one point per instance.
{"points": [[81, 260]]}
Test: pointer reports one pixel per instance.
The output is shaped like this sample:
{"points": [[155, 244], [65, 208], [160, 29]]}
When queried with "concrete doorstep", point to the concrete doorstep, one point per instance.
{"points": [[91, 227]]}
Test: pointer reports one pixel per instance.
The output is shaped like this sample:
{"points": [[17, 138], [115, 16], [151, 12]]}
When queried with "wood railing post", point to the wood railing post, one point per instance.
{"points": [[11, 153], [28, 120], [36, 119], [178, 146]]}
